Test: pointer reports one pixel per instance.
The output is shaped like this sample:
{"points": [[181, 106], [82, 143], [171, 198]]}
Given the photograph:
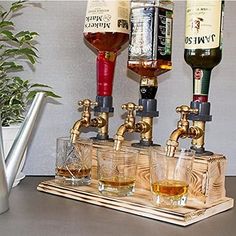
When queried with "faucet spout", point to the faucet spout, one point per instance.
{"points": [[173, 143], [75, 131], [85, 118], [183, 130], [119, 136], [129, 124]]}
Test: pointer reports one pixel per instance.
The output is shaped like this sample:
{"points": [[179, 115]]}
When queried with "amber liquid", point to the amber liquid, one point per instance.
{"points": [[70, 172], [150, 68], [170, 188], [117, 182], [107, 41]]}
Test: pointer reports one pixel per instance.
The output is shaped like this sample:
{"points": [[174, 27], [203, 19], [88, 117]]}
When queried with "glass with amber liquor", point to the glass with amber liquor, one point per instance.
{"points": [[73, 161], [117, 171], [170, 177]]}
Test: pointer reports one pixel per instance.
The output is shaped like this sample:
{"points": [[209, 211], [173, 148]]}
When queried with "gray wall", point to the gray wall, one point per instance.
{"points": [[69, 67]]}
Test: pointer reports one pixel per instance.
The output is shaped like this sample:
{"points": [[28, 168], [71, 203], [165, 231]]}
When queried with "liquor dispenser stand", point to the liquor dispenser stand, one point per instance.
{"points": [[205, 200]]}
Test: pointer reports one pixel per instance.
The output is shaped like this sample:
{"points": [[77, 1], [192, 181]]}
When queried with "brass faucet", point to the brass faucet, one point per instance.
{"points": [[130, 125], [100, 122], [183, 130]]}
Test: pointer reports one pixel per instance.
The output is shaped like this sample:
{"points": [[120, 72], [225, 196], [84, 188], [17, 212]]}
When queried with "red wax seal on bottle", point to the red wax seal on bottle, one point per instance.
{"points": [[105, 72]]}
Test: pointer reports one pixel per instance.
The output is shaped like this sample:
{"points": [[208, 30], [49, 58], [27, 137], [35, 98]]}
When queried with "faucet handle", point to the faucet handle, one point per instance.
{"points": [[86, 104], [186, 110], [131, 107]]}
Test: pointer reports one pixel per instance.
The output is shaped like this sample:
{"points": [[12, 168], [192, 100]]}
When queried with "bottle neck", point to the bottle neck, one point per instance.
{"points": [[105, 72], [148, 87], [201, 82]]}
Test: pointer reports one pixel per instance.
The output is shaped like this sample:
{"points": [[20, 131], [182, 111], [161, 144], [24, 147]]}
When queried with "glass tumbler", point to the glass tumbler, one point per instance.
{"points": [[117, 171], [73, 161], [170, 177]]}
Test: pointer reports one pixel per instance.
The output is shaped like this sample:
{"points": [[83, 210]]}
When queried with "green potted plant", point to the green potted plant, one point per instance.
{"points": [[17, 50]]}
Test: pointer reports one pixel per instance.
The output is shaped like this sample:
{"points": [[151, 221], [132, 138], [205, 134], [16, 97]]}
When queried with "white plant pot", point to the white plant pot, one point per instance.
{"points": [[9, 133]]}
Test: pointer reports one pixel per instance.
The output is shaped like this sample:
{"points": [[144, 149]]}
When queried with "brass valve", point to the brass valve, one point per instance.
{"points": [[85, 120], [87, 104], [185, 111], [131, 108], [183, 130], [129, 124]]}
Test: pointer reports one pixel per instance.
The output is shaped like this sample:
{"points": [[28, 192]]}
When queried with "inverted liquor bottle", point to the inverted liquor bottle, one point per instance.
{"points": [[106, 29], [150, 37], [203, 42]]}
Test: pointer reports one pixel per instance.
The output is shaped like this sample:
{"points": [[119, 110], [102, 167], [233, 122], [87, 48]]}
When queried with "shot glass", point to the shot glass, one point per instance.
{"points": [[73, 161], [116, 171], [170, 177]]}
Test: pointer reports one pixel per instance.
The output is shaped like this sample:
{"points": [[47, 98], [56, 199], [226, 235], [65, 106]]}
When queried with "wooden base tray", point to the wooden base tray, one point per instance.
{"points": [[139, 204]]}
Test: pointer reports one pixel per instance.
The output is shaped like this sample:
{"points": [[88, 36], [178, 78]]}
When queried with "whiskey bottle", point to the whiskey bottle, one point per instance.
{"points": [[106, 29], [150, 37], [203, 42]]}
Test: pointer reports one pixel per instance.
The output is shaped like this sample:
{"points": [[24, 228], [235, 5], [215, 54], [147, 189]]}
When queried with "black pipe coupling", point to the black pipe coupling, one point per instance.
{"points": [[149, 108], [203, 111], [104, 104]]}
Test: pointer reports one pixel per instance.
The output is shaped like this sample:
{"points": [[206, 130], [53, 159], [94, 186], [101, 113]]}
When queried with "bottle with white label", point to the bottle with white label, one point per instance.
{"points": [[106, 29], [203, 42]]}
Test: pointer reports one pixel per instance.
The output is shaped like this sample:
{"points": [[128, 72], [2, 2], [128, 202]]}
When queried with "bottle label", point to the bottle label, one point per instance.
{"points": [[203, 24], [201, 81], [151, 33], [107, 16]]}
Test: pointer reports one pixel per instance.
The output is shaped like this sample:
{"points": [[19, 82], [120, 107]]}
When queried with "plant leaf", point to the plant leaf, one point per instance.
{"points": [[7, 66], [9, 35], [32, 94], [3, 14], [27, 51], [18, 80], [40, 85], [31, 58], [6, 23], [16, 7], [51, 94]]}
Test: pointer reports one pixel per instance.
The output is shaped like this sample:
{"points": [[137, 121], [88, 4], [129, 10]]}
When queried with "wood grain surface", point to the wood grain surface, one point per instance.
{"points": [[139, 204]]}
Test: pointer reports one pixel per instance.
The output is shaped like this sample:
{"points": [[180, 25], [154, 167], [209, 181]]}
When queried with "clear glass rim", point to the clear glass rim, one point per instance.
{"points": [[123, 150], [67, 138], [179, 151]]}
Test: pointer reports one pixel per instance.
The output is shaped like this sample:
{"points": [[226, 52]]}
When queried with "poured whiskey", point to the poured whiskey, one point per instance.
{"points": [[72, 172], [150, 38], [170, 188], [116, 182]]}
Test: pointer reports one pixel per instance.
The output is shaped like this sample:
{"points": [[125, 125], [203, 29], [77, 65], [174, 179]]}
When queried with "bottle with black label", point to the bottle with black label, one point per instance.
{"points": [[203, 42], [150, 37]]}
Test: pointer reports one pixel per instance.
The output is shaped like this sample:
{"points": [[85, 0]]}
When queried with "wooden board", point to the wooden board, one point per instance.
{"points": [[139, 204]]}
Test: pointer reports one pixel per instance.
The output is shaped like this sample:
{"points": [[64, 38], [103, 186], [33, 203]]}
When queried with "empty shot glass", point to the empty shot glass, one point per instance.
{"points": [[117, 171], [73, 161], [170, 177]]}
